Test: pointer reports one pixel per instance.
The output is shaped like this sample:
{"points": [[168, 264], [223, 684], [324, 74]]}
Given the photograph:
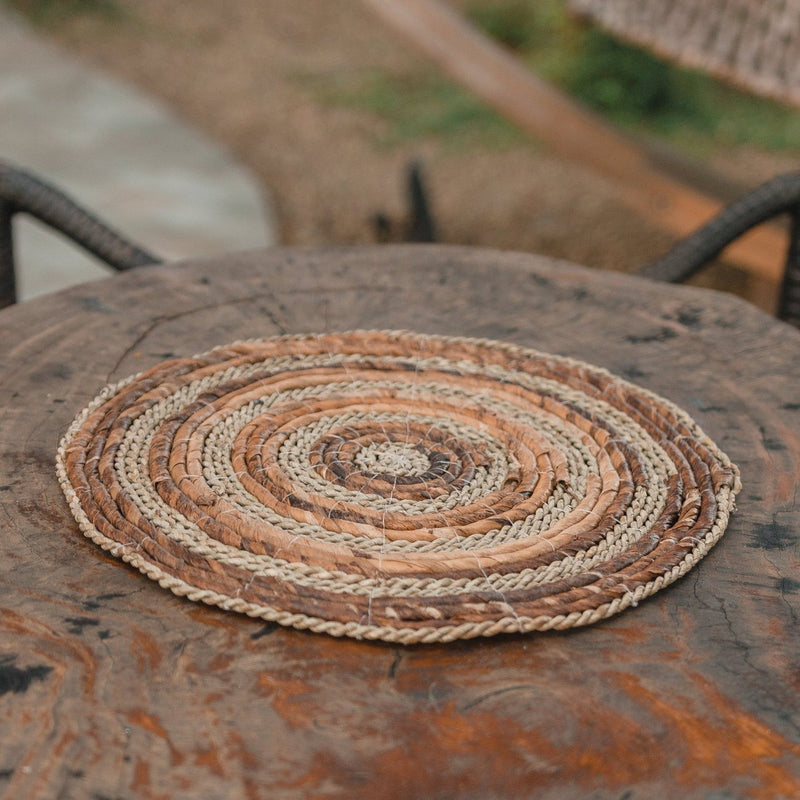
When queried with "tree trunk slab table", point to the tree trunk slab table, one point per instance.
{"points": [[112, 687]]}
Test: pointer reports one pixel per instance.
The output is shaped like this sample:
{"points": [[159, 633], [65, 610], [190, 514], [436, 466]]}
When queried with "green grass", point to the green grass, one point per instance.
{"points": [[419, 106], [635, 89], [518, 24]]}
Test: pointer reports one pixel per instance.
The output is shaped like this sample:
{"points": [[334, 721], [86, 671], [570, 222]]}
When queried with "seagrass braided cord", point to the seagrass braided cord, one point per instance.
{"points": [[395, 486]]}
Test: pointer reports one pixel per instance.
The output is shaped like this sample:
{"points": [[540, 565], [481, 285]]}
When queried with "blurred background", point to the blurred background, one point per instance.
{"points": [[323, 106]]}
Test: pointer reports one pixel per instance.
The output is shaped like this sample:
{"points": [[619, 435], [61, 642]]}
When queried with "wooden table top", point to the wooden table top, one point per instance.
{"points": [[111, 687]]}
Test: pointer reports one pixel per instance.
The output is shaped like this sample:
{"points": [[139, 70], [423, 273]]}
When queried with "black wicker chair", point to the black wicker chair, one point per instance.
{"points": [[780, 195], [23, 192]]}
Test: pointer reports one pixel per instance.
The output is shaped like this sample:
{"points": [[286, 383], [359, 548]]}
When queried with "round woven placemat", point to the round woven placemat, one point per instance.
{"points": [[394, 486]]}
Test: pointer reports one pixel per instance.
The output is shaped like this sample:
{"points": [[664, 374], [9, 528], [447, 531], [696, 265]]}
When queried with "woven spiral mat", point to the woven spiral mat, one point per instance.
{"points": [[394, 486]]}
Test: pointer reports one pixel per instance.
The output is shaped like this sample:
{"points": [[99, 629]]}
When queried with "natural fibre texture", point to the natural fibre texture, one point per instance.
{"points": [[395, 486]]}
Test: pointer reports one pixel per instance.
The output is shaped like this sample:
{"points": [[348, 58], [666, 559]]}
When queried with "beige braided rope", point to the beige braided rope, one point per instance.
{"points": [[394, 486]]}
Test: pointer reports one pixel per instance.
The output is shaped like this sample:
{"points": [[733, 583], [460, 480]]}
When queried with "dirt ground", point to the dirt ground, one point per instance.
{"points": [[246, 71]]}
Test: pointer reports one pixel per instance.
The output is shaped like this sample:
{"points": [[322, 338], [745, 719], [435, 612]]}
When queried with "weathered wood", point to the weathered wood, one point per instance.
{"points": [[112, 687]]}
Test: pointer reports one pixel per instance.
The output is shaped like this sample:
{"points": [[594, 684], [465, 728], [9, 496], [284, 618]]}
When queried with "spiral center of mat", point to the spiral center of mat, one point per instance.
{"points": [[392, 458]]}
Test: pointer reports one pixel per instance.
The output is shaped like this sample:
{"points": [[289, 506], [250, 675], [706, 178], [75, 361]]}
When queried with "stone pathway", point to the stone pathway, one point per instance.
{"points": [[121, 154]]}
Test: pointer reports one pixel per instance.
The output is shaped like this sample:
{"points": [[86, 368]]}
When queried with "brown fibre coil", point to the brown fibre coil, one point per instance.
{"points": [[395, 486]]}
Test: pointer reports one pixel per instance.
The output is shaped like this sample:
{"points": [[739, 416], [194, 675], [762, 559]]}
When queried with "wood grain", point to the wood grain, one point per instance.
{"points": [[110, 687]]}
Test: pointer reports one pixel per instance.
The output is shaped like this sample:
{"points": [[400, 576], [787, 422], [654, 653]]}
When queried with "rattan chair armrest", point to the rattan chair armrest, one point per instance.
{"points": [[23, 192]]}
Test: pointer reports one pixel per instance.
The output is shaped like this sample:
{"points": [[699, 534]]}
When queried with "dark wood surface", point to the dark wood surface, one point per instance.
{"points": [[111, 687]]}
